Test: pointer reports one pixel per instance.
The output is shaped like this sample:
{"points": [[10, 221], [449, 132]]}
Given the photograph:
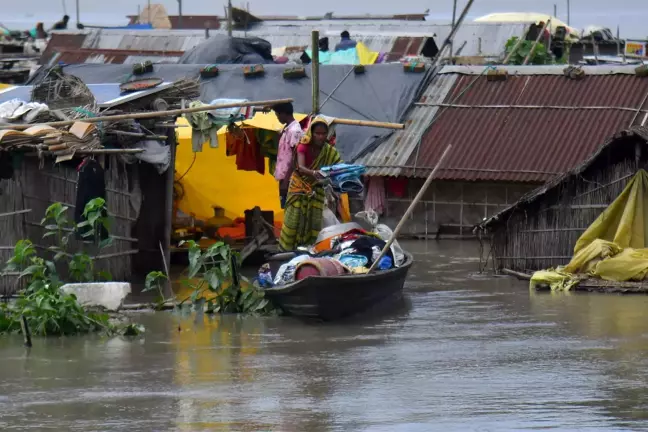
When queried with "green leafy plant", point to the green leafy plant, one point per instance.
{"points": [[155, 280], [96, 224], [219, 287], [540, 55], [45, 308]]}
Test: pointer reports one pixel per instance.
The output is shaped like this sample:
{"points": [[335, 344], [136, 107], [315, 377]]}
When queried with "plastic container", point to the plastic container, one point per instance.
{"points": [[318, 267], [385, 263]]}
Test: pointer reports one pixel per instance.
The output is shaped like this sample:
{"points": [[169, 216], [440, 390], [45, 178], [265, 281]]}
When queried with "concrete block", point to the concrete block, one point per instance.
{"points": [[108, 295]]}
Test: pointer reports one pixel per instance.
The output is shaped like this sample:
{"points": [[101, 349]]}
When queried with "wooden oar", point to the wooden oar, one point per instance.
{"points": [[410, 209]]}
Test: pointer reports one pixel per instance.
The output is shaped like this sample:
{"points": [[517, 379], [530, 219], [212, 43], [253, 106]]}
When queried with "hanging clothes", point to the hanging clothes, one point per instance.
{"points": [[397, 186], [91, 184], [375, 199], [204, 129], [244, 145], [269, 144]]}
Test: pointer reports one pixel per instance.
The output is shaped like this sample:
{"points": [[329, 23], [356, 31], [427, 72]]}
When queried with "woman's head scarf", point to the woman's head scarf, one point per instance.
{"points": [[308, 135]]}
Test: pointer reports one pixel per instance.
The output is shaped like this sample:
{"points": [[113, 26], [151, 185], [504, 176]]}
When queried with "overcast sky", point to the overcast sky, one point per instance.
{"points": [[631, 15]]}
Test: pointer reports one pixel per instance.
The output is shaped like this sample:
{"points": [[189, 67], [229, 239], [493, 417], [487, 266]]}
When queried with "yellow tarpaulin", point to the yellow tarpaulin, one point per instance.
{"points": [[615, 246], [365, 55], [212, 179]]}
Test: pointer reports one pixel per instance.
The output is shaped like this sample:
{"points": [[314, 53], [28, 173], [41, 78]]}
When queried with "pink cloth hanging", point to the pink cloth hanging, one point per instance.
{"points": [[375, 198]]}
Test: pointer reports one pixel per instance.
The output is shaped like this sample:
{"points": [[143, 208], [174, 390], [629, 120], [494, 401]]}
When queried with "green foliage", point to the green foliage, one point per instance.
{"points": [[219, 288], [155, 280], [540, 55], [47, 310]]}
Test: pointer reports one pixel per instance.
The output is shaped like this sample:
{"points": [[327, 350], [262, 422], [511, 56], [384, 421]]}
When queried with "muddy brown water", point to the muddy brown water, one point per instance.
{"points": [[469, 352]]}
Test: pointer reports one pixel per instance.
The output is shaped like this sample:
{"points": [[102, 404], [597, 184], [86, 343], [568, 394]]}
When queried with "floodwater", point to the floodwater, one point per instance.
{"points": [[470, 352]]}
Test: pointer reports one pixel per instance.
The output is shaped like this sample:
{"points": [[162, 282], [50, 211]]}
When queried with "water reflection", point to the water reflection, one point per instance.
{"points": [[473, 352]]}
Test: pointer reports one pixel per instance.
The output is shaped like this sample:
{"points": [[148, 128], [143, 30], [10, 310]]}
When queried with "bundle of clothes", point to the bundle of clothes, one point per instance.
{"points": [[351, 251], [345, 178]]}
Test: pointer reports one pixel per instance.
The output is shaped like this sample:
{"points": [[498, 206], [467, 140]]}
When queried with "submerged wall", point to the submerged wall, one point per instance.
{"points": [[449, 209]]}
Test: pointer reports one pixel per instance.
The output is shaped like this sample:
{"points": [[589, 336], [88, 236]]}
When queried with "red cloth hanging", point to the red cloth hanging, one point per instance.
{"points": [[396, 186], [247, 151]]}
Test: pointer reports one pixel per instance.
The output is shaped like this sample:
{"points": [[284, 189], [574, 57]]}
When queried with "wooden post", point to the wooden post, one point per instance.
{"points": [[315, 70], [24, 327], [229, 18], [454, 19], [78, 17], [179, 14], [168, 214]]}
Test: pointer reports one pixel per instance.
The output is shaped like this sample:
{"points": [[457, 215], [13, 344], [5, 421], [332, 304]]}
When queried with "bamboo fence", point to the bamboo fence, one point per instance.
{"points": [[33, 188], [540, 231]]}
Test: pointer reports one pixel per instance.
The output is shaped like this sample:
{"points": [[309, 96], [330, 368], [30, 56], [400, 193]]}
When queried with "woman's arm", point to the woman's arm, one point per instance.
{"points": [[301, 165]]}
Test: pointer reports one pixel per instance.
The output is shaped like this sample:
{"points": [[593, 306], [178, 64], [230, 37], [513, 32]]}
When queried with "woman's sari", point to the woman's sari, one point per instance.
{"points": [[305, 204]]}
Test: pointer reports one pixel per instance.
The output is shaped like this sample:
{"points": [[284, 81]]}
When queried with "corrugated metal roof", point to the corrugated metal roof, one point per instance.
{"points": [[524, 144], [396, 37], [393, 153]]}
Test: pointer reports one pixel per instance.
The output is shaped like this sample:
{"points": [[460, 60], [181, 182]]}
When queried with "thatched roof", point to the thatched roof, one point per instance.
{"points": [[639, 132]]}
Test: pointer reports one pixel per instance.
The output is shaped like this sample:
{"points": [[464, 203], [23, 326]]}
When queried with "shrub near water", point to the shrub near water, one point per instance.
{"points": [[216, 284], [47, 310]]}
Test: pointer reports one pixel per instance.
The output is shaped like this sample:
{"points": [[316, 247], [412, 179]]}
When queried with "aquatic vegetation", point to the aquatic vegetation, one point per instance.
{"points": [[216, 284]]}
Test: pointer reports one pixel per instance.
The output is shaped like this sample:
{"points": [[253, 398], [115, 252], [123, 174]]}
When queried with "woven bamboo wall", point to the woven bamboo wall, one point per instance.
{"points": [[542, 234], [34, 187], [449, 208]]}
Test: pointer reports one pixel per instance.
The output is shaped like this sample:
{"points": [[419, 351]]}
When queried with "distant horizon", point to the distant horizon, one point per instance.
{"points": [[631, 15]]}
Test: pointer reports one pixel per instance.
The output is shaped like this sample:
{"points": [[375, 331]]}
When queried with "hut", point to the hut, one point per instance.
{"points": [[42, 165], [496, 156], [540, 230]]}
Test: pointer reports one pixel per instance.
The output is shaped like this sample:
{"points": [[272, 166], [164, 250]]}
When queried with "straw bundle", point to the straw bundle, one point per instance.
{"points": [[59, 91]]}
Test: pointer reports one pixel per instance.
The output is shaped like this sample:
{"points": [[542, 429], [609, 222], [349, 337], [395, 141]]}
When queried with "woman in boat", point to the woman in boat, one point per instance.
{"points": [[306, 197]]}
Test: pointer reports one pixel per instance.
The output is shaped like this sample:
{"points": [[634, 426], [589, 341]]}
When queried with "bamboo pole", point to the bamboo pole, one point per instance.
{"points": [[152, 114], [369, 123], [535, 44], [556, 107], [24, 327], [315, 70], [410, 209]]}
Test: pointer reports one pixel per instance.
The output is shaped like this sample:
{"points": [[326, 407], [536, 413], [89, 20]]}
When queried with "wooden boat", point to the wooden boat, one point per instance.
{"points": [[335, 297]]}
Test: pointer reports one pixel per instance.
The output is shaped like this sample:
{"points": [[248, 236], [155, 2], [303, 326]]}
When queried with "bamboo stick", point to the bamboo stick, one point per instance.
{"points": [[535, 44], [137, 135], [557, 107], [369, 123], [410, 209], [514, 50], [24, 327], [153, 114], [517, 274], [17, 212], [315, 71], [638, 111]]}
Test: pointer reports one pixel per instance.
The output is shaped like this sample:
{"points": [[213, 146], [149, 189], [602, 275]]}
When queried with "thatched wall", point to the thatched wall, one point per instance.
{"points": [[34, 188], [541, 230]]}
